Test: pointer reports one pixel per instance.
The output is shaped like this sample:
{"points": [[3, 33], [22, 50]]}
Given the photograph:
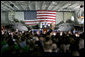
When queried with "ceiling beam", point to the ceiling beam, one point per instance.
{"points": [[14, 5], [5, 8], [60, 6], [26, 5], [59, 3], [19, 5], [43, 5], [65, 6], [5, 3], [52, 4], [47, 4], [2, 9], [73, 5], [29, 7], [20, 2], [36, 6]]}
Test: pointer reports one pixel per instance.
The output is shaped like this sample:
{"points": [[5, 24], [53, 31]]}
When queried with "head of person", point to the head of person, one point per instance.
{"points": [[81, 44], [54, 46], [75, 53], [63, 48], [77, 34]]}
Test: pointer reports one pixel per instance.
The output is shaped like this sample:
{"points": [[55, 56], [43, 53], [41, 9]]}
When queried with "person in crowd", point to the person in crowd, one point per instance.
{"points": [[55, 48], [75, 53], [48, 45], [48, 42]]}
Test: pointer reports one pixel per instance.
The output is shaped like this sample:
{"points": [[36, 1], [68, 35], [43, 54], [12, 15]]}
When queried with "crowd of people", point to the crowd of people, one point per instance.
{"points": [[36, 43]]}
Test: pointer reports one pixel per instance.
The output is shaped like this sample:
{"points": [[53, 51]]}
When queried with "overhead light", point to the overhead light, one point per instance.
{"points": [[54, 3], [11, 5], [72, 18], [81, 6]]}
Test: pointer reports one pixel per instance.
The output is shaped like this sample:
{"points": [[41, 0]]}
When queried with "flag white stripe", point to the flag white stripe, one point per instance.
{"points": [[45, 17], [47, 22], [47, 14]]}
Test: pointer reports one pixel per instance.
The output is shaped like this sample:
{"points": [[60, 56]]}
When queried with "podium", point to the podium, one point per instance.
{"points": [[45, 29]]}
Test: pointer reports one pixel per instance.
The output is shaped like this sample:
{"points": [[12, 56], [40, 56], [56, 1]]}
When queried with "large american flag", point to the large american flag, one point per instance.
{"points": [[34, 17]]}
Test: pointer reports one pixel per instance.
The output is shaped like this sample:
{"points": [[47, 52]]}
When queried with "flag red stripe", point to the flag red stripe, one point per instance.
{"points": [[46, 15], [41, 21], [46, 21], [47, 10], [46, 18], [43, 16]]}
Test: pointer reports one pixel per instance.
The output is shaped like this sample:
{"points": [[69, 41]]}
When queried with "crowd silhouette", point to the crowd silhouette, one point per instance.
{"points": [[42, 43]]}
